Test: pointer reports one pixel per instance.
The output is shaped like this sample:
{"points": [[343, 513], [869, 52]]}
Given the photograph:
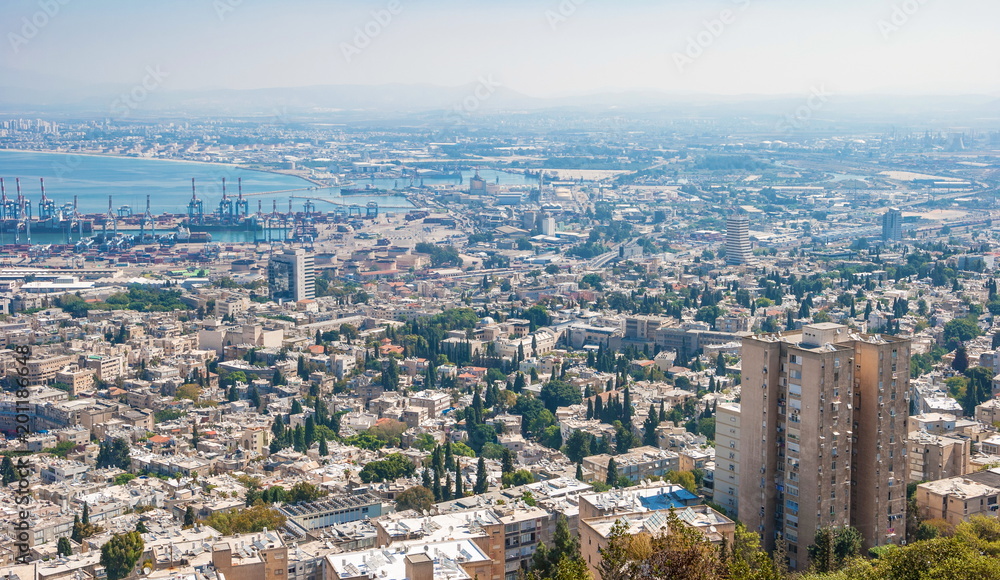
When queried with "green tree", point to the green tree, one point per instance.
{"points": [[612, 476], [189, 516], [417, 498], [960, 330], [577, 446], [482, 483], [63, 547], [519, 477], [253, 519], [557, 393], [832, 547], [961, 361], [394, 466], [115, 453], [120, 554], [684, 479], [304, 491], [7, 472], [615, 562], [745, 560], [649, 427], [507, 462]]}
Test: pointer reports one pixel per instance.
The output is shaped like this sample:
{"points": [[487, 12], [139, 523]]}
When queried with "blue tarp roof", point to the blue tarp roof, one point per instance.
{"points": [[674, 499]]}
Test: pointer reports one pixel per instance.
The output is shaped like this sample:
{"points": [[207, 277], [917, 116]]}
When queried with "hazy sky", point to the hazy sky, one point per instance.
{"points": [[540, 48]]}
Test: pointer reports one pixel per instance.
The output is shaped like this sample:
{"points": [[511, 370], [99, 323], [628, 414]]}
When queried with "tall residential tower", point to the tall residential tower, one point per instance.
{"points": [[892, 225], [738, 250], [822, 428]]}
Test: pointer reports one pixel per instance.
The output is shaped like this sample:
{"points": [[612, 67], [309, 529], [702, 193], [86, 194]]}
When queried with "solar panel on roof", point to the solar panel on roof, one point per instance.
{"points": [[656, 521]]}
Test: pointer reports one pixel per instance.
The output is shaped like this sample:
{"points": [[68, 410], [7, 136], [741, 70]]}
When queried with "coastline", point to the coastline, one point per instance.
{"points": [[167, 159]]}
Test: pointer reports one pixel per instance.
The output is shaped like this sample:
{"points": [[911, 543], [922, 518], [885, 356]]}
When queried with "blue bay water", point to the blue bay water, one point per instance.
{"points": [[129, 180]]}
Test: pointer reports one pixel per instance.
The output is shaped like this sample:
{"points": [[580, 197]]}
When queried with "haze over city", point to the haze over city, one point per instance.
{"points": [[540, 49]]}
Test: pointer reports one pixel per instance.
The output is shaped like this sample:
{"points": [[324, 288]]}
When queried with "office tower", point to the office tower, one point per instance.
{"points": [[892, 225], [822, 436], [738, 250], [291, 276]]}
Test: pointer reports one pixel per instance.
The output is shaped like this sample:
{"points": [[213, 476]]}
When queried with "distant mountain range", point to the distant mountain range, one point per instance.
{"points": [[35, 94]]}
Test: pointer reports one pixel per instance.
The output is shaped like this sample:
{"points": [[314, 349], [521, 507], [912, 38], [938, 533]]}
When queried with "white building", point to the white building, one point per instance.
{"points": [[291, 276]]}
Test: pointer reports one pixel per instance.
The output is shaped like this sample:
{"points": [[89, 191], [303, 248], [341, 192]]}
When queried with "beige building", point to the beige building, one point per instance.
{"points": [[433, 401], [78, 379], [107, 368], [595, 532], [988, 412], [823, 433], [43, 371], [255, 439], [637, 464], [956, 499], [261, 556], [727, 457], [933, 457], [216, 336]]}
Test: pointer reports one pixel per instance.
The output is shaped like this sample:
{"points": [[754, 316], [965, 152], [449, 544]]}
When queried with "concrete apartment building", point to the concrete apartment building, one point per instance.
{"points": [[727, 457], [433, 401], [107, 368], [956, 499], [42, 371], [823, 436], [933, 457], [595, 532], [508, 535], [988, 412], [637, 464], [260, 556]]}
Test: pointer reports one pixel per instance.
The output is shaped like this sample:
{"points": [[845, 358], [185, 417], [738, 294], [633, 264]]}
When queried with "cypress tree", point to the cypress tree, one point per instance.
{"points": [[507, 465], [446, 488], [481, 482]]}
